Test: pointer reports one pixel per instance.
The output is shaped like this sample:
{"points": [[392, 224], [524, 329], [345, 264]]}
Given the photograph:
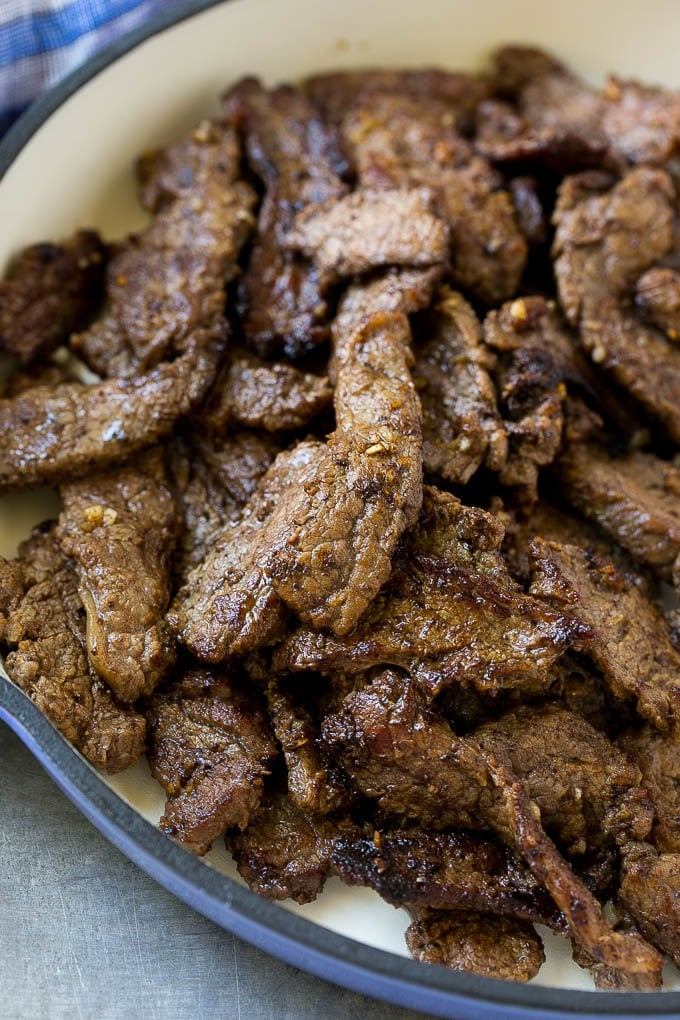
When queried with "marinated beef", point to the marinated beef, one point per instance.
{"points": [[168, 281], [228, 605], [273, 396], [491, 946], [351, 510], [120, 529], [44, 630], [396, 141], [657, 293], [650, 891], [210, 747], [370, 230], [52, 434], [49, 292], [606, 237], [658, 758], [635, 499], [448, 615], [630, 641], [461, 426], [444, 871], [297, 157]]}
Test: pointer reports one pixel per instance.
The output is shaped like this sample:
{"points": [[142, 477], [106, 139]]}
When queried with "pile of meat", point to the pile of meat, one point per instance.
{"points": [[367, 516]]}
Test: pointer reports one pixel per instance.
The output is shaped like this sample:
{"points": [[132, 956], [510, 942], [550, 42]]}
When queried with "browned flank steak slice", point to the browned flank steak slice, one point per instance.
{"points": [[43, 626]]}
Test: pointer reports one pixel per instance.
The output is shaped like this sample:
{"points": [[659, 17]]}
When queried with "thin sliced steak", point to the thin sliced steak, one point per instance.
{"points": [[658, 757]]}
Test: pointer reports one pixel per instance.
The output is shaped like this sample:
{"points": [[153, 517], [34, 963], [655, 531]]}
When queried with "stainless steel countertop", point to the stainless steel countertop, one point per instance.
{"points": [[85, 934]]}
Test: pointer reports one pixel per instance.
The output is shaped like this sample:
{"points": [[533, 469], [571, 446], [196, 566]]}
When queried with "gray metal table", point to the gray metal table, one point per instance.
{"points": [[85, 934]]}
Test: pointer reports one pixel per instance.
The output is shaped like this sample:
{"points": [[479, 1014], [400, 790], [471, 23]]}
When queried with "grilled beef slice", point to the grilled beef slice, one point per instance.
{"points": [[461, 426], [297, 158], [401, 754], [658, 758], [657, 293], [630, 640], [51, 434], [228, 605], [210, 748], [484, 944], [367, 489], [449, 613], [399, 142], [44, 630], [606, 237], [120, 529], [169, 280], [650, 892], [50, 291]]}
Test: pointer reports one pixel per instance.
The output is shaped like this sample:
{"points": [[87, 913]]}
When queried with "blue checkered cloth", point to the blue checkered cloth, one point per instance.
{"points": [[41, 40]]}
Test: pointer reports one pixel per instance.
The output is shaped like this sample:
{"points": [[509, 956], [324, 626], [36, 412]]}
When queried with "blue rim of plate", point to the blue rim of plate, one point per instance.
{"points": [[276, 931]]}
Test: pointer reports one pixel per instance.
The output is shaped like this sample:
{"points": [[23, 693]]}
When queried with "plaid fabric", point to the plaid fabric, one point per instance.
{"points": [[41, 40]]}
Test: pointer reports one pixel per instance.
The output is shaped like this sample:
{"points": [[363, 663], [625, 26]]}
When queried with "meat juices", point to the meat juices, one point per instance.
{"points": [[369, 509]]}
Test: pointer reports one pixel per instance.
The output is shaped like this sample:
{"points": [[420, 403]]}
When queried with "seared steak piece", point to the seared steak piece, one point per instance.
{"points": [[50, 434], [635, 499], [284, 853], [400, 753], [399, 142], [210, 748], [610, 980], [264, 395], [630, 640], [370, 230], [120, 530], [297, 157], [491, 946], [658, 757], [639, 124], [606, 237], [461, 426], [213, 478], [228, 605], [50, 291], [367, 488], [169, 280], [336, 92], [650, 891], [397, 290], [444, 871], [314, 785], [657, 293], [44, 628], [449, 613]]}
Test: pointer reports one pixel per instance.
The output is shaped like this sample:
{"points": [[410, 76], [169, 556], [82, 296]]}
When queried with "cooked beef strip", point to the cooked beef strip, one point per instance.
{"points": [[228, 605], [264, 395], [400, 753], [169, 280], [297, 157], [504, 137], [44, 628], [657, 293], [606, 237], [399, 142], [461, 426], [657, 755], [120, 530], [650, 891], [635, 499], [608, 979], [352, 509], [630, 640], [285, 853], [314, 785], [449, 613], [336, 92], [210, 747], [213, 479], [50, 434], [444, 871], [464, 940], [50, 291], [639, 124], [368, 230]]}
